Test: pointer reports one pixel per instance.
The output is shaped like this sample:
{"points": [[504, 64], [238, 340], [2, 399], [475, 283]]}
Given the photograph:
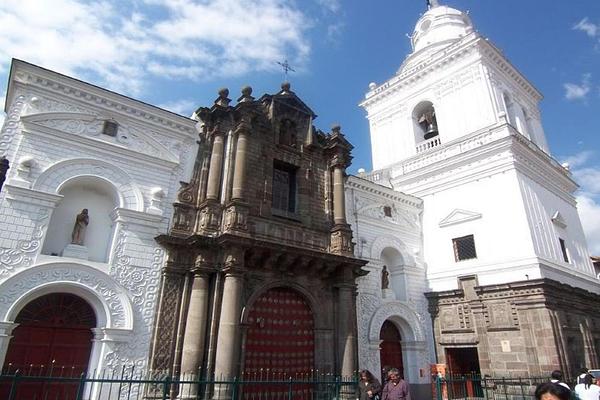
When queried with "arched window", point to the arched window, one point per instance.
{"points": [[425, 121], [97, 196]]}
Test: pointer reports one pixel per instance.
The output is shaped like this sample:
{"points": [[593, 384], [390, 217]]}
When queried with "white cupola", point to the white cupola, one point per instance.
{"points": [[438, 28]]}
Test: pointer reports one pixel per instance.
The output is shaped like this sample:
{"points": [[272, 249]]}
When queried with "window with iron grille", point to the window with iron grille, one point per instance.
{"points": [[110, 128], [387, 211], [563, 248], [464, 248], [284, 187]]}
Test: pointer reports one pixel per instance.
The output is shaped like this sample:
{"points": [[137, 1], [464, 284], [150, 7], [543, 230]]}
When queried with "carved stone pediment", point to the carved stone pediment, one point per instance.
{"points": [[457, 216], [91, 126]]}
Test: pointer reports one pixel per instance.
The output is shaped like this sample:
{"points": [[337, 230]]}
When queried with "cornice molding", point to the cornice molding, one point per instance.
{"points": [[31, 76], [364, 185]]}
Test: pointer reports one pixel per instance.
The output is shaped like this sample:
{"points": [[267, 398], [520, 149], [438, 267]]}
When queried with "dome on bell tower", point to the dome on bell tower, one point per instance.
{"points": [[438, 28]]}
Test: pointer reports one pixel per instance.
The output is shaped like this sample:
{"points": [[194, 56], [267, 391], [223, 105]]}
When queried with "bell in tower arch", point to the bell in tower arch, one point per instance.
{"points": [[428, 123]]}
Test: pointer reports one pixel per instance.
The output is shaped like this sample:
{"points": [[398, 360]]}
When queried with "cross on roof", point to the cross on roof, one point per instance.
{"points": [[286, 67]]}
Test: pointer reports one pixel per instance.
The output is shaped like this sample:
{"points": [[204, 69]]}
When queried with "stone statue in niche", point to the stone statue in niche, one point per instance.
{"points": [[287, 133], [385, 278], [81, 222]]}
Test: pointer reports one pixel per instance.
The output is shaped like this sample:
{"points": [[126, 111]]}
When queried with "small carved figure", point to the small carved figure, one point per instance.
{"points": [[81, 222], [385, 278]]}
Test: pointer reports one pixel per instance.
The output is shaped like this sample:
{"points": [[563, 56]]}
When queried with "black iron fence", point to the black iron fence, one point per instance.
{"points": [[463, 387], [60, 383]]}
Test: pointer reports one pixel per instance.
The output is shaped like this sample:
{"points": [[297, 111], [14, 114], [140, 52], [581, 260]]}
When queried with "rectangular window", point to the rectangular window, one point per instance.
{"points": [[110, 128], [464, 248], [284, 187], [563, 248]]}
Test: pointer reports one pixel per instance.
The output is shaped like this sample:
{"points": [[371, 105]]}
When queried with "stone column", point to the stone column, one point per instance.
{"points": [[346, 331], [239, 173], [195, 330], [228, 341], [339, 202], [216, 165]]}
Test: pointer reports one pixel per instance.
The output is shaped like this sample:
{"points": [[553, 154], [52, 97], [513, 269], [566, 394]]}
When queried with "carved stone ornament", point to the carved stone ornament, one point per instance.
{"points": [[341, 241], [236, 218], [22, 254], [101, 285], [210, 218]]}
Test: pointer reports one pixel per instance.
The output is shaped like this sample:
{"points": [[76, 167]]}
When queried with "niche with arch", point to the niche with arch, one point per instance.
{"points": [[395, 265], [100, 198], [425, 122]]}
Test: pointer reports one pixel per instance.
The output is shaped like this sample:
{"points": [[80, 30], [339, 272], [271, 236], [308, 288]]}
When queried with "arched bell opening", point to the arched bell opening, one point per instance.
{"points": [[425, 121]]}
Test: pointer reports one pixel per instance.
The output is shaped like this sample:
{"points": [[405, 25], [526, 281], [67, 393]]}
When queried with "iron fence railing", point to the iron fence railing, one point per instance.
{"points": [[474, 387], [132, 384]]}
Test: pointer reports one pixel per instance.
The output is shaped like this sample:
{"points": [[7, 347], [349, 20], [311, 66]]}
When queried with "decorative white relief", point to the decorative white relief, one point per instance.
{"points": [[382, 242], [56, 175], [458, 216], [42, 104], [11, 124], [369, 207], [113, 298], [92, 125], [22, 254], [142, 286]]}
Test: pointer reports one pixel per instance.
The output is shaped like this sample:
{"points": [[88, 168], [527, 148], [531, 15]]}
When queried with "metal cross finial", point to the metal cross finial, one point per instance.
{"points": [[432, 3], [286, 68]]}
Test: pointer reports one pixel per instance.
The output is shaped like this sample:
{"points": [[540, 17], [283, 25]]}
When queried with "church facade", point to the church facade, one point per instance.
{"points": [[510, 285], [92, 180], [260, 272], [233, 242]]}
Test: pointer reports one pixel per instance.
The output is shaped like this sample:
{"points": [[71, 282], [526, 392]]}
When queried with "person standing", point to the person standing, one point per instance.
{"points": [[369, 387], [396, 388], [587, 390], [557, 377]]}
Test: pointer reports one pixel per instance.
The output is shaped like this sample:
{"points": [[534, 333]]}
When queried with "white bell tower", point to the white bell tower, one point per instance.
{"points": [[459, 126]]}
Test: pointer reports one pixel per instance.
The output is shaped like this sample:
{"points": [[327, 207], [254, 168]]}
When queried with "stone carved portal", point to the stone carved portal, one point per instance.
{"points": [[54, 333], [279, 341]]}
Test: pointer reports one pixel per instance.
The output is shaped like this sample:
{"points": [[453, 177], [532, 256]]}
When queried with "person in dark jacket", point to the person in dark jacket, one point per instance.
{"points": [[396, 388], [369, 387]]}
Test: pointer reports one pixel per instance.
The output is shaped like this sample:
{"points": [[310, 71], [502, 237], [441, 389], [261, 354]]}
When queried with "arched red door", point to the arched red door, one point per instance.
{"points": [[279, 340], [54, 337], [390, 349]]}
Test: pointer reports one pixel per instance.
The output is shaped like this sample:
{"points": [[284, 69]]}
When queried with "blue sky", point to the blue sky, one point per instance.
{"points": [[177, 54]]}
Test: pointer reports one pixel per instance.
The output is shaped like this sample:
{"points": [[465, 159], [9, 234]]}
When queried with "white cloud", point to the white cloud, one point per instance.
{"points": [[331, 5], [578, 91], [124, 43], [587, 174], [591, 29], [183, 107], [578, 159], [589, 211]]}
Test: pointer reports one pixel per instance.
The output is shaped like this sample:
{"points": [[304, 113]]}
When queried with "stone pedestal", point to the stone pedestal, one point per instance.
{"points": [[388, 294], [75, 251]]}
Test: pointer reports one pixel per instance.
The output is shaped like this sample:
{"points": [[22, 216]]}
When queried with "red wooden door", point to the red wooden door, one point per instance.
{"points": [[279, 342], [53, 339], [390, 349]]}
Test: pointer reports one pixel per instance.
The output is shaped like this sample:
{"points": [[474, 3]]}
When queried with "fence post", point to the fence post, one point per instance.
{"points": [[80, 386], [13, 386], [438, 386], [290, 388], [235, 388], [166, 386]]}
